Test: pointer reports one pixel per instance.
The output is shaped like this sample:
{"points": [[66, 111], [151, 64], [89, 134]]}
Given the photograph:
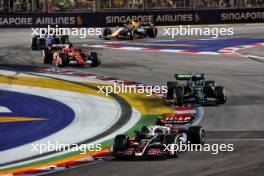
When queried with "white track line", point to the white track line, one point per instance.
{"points": [[4, 109], [257, 139], [90, 118]]}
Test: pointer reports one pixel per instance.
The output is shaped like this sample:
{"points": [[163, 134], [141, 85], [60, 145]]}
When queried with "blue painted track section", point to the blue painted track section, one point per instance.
{"points": [[212, 45], [14, 134]]}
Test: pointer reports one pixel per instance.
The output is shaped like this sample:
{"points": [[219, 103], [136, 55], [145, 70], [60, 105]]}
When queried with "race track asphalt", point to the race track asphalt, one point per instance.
{"points": [[253, 51], [239, 121]]}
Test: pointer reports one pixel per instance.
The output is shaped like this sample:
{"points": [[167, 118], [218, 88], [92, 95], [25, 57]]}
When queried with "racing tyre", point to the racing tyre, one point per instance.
{"points": [[42, 43], [106, 32], [152, 32], [34, 43], [220, 95], [173, 140], [209, 88], [178, 96], [120, 142], [196, 135], [95, 59], [64, 59], [48, 57], [131, 35], [171, 85]]}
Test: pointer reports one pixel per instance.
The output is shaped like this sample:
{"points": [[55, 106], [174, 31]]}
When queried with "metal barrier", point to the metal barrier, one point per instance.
{"points": [[75, 6], [102, 19]]}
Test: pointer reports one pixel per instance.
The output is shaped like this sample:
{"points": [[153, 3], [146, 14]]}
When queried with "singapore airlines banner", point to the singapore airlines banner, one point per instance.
{"points": [[102, 19], [42, 20]]}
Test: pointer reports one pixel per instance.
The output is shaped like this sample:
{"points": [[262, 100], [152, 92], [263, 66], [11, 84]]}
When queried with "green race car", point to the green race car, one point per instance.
{"points": [[193, 87]]}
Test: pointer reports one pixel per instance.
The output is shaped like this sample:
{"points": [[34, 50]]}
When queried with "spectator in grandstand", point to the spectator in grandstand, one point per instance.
{"points": [[214, 3], [200, 4], [118, 4], [168, 3], [254, 3], [1, 5], [151, 4], [161, 3], [85, 4], [69, 3], [224, 3], [105, 4], [135, 4], [221, 3]]}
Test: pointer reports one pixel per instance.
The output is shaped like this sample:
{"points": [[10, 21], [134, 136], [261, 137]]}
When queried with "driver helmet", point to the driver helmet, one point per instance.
{"points": [[49, 46], [145, 130], [194, 78], [158, 131], [134, 23]]}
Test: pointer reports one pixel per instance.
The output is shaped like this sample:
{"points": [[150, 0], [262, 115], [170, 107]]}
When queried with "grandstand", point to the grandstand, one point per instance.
{"points": [[52, 6]]}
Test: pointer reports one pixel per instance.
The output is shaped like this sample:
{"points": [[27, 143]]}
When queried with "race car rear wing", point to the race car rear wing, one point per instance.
{"points": [[171, 118], [188, 76], [59, 46]]}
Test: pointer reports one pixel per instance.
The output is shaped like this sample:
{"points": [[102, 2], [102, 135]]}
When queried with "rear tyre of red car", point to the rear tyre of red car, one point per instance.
{"points": [[64, 59], [34, 43], [41, 43], [48, 59], [95, 59]]}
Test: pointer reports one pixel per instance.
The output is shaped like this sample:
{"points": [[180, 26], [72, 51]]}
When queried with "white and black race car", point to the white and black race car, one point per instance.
{"points": [[159, 140]]}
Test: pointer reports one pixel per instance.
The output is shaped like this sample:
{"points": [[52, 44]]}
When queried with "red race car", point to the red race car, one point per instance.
{"points": [[68, 55]]}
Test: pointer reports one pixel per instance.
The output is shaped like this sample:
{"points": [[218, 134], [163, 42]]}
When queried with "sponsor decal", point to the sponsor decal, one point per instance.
{"points": [[242, 16], [16, 21], [188, 17], [22, 21], [124, 19], [184, 17], [118, 3], [103, 19]]}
